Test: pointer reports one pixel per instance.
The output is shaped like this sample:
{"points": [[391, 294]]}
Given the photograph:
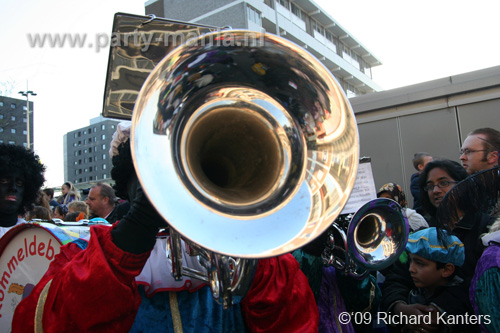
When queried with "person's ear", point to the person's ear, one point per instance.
{"points": [[492, 157], [447, 270], [420, 167]]}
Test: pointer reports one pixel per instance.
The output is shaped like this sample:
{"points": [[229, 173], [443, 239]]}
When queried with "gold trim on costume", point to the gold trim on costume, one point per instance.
{"points": [[174, 309], [39, 308]]}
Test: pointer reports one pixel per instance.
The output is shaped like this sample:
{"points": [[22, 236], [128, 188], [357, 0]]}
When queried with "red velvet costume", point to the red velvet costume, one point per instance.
{"points": [[95, 290]]}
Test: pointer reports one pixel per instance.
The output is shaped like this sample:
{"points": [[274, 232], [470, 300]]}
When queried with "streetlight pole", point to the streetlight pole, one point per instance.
{"points": [[27, 94]]}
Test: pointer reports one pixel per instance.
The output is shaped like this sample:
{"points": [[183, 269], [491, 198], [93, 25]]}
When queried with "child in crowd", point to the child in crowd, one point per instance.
{"points": [[434, 262]]}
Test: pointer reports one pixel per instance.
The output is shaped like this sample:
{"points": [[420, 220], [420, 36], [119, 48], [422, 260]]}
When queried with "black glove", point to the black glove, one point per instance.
{"points": [[136, 232]]}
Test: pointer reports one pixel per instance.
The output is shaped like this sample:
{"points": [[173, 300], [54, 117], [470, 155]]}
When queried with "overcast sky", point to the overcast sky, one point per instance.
{"points": [[416, 42]]}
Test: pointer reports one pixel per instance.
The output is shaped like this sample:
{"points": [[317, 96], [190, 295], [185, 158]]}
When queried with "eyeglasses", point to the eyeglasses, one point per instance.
{"points": [[441, 184], [468, 151]]}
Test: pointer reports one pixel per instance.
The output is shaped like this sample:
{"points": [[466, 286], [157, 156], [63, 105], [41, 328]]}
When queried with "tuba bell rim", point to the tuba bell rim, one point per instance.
{"points": [[305, 215]]}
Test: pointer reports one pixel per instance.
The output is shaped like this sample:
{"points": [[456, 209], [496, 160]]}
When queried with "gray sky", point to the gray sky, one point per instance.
{"points": [[416, 42]]}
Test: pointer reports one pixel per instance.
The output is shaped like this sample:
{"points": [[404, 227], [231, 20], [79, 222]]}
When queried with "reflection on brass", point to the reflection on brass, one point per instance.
{"points": [[245, 143], [138, 44], [372, 239]]}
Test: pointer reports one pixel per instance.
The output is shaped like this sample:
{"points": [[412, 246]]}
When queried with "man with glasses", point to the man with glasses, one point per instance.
{"points": [[480, 150]]}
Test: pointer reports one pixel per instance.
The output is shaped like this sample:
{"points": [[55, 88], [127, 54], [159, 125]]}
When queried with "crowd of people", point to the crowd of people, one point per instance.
{"points": [[446, 280]]}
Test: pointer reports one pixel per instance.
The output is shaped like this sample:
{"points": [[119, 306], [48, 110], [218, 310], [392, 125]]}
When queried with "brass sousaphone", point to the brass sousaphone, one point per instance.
{"points": [[243, 141]]}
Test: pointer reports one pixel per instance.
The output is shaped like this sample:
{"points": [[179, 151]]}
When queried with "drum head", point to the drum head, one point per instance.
{"points": [[26, 251]]}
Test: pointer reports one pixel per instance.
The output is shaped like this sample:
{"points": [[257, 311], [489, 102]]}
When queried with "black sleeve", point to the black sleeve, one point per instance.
{"points": [[136, 232], [397, 284]]}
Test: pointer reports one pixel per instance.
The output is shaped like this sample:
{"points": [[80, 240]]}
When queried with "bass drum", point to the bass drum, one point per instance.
{"points": [[26, 251]]}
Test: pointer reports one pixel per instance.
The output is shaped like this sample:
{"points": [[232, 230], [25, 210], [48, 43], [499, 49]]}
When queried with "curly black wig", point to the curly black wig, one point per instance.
{"points": [[123, 169], [19, 159]]}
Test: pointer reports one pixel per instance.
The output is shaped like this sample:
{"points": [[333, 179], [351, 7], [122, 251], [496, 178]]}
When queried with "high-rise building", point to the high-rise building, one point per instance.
{"points": [[86, 152], [301, 21], [13, 121]]}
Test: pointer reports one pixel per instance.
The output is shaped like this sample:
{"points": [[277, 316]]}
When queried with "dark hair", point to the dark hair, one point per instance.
{"points": [[455, 171], [123, 169], [19, 159], [49, 192], [61, 210], [71, 217], [106, 191], [39, 212], [492, 141], [418, 158]]}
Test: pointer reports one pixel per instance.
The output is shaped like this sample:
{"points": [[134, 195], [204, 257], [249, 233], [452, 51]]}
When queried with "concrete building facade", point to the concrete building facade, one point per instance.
{"points": [[301, 21], [13, 121], [433, 117], [86, 152]]}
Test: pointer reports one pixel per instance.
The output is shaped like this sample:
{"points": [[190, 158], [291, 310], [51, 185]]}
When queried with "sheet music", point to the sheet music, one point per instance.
{"points": [[364, 189]]}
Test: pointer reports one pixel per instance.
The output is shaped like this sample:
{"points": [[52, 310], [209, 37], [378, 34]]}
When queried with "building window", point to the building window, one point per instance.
{"points": [[13, 118], [1, 104], [103, 127], [13, 130], [25, 108], [104, 176], [25, 120], [317, 27], [13, 106], [1, 116], [284, 3], [25, 132], [103, 156], [103, 137], [253, 15], [12, 142], [1, 129], [103, 147], [350, 57], [104, 166], [298, 12]]}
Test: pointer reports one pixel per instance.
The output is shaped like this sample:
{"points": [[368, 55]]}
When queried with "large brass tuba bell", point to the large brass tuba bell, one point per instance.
{"points": [[245, 143]]}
